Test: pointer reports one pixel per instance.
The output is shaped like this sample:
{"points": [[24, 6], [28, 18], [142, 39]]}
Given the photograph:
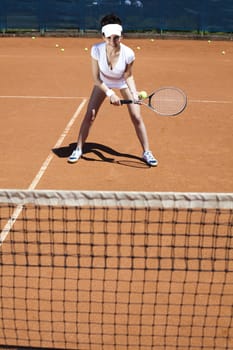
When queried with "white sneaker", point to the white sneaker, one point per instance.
{"points": [[149, 158], [74, 157]]}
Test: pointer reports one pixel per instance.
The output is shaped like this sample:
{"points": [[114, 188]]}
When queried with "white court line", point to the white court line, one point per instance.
{"points": [[42, 97], [40, 173], [210, 101], [78, 97], [58, 144]]}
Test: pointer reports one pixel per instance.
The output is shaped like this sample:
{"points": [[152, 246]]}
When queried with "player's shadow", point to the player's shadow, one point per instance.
{"points": [[100, 153]]}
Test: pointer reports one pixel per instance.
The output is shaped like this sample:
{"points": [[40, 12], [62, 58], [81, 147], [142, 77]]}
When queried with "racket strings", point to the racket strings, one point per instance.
{"points": [[168, 101]]}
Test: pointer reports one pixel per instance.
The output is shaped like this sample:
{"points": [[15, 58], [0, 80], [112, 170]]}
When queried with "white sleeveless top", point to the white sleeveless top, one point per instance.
{"points": [[113, 78]]}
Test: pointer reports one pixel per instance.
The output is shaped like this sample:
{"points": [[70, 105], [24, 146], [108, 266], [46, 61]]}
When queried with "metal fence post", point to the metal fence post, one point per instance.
{"points": [[42, 16]]}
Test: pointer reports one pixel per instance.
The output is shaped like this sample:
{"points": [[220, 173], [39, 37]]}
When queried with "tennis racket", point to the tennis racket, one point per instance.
{"points": [[166, 101]]}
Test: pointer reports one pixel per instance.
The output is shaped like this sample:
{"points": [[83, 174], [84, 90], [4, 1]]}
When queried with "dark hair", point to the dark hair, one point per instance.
{"points": [[110, 19]]}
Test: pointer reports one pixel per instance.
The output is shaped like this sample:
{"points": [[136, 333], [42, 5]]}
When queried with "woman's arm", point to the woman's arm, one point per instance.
{"points": [[129, 78], [98, 82]]}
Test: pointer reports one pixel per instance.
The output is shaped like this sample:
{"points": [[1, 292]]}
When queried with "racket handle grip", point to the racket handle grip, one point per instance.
{"points": [[126, 102]]}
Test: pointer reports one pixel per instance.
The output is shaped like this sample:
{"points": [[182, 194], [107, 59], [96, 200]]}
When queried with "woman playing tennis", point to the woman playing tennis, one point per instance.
{"points": [[112, 64]]}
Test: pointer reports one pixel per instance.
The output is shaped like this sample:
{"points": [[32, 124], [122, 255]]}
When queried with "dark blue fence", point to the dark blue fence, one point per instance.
{"points": [[140, 15]]}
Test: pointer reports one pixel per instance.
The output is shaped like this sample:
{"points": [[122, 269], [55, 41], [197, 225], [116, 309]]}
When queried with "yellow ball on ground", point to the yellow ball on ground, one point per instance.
{"points": [[62, 49], [223, 52], [142, 94]]}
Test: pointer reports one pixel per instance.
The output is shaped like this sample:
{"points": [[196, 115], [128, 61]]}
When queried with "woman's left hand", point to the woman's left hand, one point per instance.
{"points": [[135, 97]]}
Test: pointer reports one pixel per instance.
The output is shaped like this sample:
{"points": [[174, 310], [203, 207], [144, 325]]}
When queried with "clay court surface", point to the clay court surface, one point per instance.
{"points": [[44, 93], [43, 97]]}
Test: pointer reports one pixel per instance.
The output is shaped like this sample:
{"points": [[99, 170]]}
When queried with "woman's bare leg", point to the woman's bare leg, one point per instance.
{"points": [[96, 100], [135, 114], [137, 120]]}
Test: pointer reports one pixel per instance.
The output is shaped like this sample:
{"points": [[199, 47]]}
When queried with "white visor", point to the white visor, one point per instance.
{"points": [[112, 29]]}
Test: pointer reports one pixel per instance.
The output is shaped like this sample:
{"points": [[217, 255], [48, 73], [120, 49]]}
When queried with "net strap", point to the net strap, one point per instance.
{"points": [[177, 200]]}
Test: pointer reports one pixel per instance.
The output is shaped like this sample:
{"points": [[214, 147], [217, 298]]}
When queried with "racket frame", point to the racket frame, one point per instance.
{"points": [[149, 98]]}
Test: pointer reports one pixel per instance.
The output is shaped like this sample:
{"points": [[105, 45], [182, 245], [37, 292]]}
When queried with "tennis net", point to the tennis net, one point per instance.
{"points": [[116, 271]]}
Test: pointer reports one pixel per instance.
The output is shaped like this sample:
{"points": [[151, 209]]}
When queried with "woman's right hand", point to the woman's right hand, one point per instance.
{"points": [[115, 100]]}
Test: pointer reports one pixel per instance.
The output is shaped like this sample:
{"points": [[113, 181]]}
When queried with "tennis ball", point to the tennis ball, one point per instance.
{"points": [[57, 45], [142, 94], [223, 52], [138, 48], [86, 49], [62, 49]]}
